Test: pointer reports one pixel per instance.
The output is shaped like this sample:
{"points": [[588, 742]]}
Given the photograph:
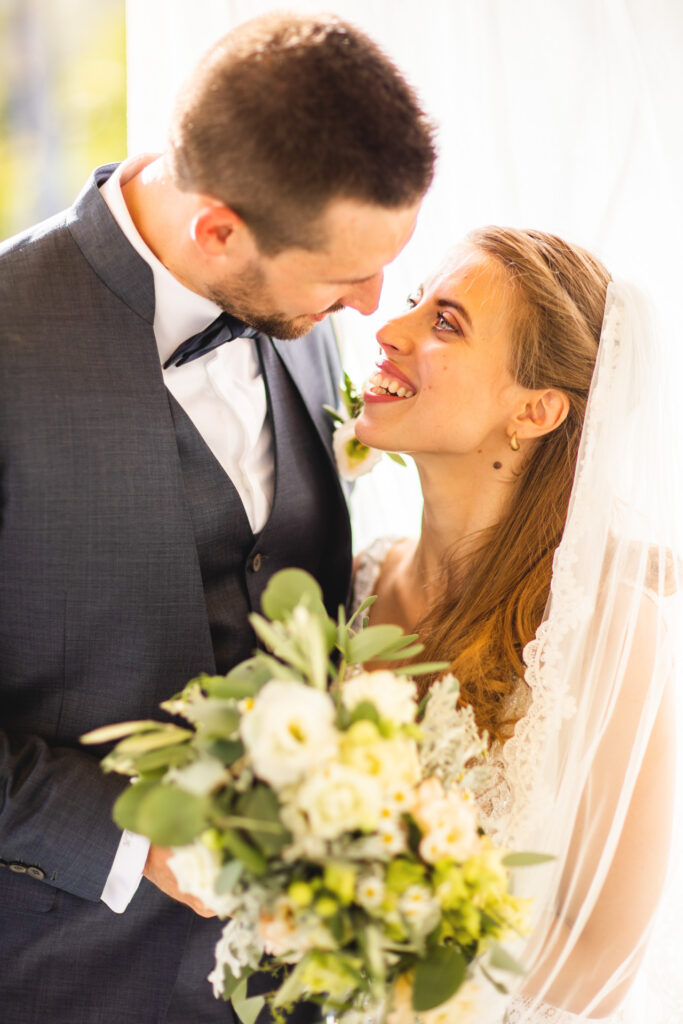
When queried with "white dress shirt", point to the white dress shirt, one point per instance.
{"points": [[224, 395]]}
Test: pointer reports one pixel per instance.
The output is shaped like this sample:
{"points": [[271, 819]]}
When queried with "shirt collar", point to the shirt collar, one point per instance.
{"points": [[178, 311]]}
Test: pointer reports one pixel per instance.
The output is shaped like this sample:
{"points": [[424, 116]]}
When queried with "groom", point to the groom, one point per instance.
{"points": [[163, 451]]}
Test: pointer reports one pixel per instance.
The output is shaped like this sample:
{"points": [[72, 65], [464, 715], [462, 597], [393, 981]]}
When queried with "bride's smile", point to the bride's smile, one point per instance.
{"points": [[446, 385]]}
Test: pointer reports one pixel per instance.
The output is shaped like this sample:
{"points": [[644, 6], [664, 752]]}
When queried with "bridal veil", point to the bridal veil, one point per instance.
{"points": [[592, 765]]}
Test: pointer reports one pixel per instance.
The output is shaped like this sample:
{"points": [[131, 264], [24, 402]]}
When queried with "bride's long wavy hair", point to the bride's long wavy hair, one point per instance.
{"points": [[493, 602]]}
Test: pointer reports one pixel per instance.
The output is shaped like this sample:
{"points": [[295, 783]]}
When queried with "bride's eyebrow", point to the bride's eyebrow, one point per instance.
{"points": [[458, 307]]}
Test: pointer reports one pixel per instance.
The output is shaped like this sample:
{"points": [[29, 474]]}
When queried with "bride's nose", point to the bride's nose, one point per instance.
{"points": [[395, 336]]}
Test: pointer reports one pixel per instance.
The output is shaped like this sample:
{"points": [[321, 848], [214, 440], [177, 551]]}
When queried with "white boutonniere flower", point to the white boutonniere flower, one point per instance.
{"points": [[353, 458]]}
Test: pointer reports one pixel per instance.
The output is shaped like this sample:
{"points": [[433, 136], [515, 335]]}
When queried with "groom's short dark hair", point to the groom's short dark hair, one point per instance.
{"points": [[288, 112]]}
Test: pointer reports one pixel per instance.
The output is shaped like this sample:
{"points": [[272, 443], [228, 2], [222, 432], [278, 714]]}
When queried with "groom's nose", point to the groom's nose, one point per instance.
{"points": [[364, 296]]}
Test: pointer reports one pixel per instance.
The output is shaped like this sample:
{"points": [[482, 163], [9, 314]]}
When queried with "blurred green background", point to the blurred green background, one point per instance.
{"points": [[62, 102]]}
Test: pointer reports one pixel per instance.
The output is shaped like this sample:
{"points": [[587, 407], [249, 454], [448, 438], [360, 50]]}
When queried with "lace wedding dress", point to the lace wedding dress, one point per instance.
{"points": [[510, 765]]}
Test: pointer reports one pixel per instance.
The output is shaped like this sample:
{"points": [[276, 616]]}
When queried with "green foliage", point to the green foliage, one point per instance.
{"points": [[438, 977], [525, 860], [165, 814]]}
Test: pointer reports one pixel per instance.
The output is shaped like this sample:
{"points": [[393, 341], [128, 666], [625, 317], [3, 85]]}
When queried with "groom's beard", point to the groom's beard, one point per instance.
{"points": [[245, 300]]}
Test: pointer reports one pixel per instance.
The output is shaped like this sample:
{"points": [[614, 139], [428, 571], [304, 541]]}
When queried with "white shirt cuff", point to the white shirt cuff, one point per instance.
{"points": [[126, 871]]}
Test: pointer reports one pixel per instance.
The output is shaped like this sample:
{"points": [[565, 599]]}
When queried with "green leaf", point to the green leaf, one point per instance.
{"points": [[171, 817], [125, 811], [501, 959], [422, 668], [228, 876], [373, 642], [226, 751], [437, 977], [398, 459], [278, 642], [336, 416], [240, 848], [524, 860], [247, 1009], [214, 716], [163, 736], [261, 804], [406, 652], [107, 733], [367, 603], [288, 588], [245, 680], [365, 710], [166, 757], [230, 982]]}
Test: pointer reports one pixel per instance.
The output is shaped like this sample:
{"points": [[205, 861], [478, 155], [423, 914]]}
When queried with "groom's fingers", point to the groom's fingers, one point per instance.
{"points": [[158, 872]]}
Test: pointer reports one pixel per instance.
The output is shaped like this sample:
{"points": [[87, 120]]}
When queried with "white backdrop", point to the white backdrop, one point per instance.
{"points": [[559, 114]]}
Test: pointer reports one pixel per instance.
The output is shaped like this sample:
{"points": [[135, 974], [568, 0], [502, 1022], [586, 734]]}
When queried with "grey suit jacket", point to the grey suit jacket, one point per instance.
{"points": [[102, 612]]}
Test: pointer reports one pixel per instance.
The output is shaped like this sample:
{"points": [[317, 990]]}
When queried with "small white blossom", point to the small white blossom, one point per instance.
{"points": [[354, 459], [237, 948], [289, 731], [370, 891], [447, 819], [420, 909]]}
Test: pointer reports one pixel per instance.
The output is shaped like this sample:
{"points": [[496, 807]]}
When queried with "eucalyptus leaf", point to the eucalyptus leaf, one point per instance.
{"points": [[437, 977], [163, 736], [365, 710], [288, 588], [228, 876], [230, 982], [125, 811], [422, 668], [261, 804], [405, 652], [166, 757], [374, 641], [247, 1009], [336, 416], [524, 860], [500, 958], [107, 733], [214, 716], [278, 642], [253, 859], [171, 817], [245, 680], [398, 459], [226, 751]]}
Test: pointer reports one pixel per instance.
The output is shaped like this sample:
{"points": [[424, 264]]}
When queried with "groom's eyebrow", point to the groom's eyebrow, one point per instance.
{"points": [[458, 307]]}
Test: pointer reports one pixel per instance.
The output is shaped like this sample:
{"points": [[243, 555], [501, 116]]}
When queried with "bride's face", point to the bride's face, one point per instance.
{"points": [[442, 383]]}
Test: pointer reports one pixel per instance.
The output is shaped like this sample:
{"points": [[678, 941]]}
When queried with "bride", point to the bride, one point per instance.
{"points": [[525, 385]]}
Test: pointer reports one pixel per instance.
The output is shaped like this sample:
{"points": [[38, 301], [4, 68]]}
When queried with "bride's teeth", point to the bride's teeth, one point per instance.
{"points": [[401, 392], [393, 387], [409, 394]]}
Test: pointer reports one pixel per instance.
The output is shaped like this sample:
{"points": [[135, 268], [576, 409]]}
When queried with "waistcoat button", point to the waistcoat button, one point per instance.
{"points": [[257, 562]]}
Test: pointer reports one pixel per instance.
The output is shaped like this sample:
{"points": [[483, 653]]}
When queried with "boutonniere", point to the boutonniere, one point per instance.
{"points": [[354, 458]]}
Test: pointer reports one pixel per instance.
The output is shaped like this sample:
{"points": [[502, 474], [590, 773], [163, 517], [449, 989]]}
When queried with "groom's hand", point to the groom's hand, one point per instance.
{"points": [[159, 873]]}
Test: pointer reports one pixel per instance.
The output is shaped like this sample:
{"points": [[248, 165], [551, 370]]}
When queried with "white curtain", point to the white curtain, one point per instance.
{"points": [[563, 115]]}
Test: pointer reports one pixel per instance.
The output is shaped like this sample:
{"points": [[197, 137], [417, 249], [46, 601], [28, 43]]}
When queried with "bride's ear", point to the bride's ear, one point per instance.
{"points": [[543, 412]]}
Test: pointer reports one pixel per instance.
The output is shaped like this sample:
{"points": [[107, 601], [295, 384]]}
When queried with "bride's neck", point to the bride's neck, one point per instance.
{"points": [[459, 505]]}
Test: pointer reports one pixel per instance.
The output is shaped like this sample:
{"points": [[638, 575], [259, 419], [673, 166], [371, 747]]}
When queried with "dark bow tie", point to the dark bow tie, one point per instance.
{"points": [[224, 328]]}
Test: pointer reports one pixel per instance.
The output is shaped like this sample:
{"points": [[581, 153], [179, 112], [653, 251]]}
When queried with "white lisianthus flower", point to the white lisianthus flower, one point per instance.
{"points": [[338, 799], [196, 869], [393, 697], [354, 458], [289, 731]]}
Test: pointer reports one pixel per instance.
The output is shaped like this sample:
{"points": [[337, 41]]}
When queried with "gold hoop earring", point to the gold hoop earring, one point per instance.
{"points": [[514, 443]]}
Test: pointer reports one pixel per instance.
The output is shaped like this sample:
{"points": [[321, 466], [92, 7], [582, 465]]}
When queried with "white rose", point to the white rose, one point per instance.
{"points": [[196, 870], [339, 799], [393, 697], [289, 731], [354, 459]]}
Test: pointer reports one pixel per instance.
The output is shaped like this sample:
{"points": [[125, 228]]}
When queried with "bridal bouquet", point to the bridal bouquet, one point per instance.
{"points": [[329, 817]]}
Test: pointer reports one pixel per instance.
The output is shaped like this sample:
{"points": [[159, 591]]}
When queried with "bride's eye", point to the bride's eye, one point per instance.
{"points": [[412, 301], [442, 324]]}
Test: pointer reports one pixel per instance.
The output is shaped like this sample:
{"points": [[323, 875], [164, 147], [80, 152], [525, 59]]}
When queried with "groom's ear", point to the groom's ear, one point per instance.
{"points": [[544, 411], [216, 229]]}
